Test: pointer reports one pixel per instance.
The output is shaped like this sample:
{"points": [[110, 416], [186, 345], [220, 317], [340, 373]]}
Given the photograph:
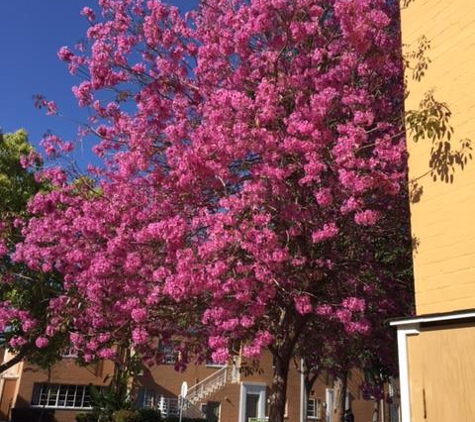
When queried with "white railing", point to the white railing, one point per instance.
{"points": [[192, 411], [168, 406], [212, 383]]}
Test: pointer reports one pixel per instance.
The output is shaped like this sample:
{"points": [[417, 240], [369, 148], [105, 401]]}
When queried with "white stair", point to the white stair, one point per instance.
{"points": [[202, 390]]}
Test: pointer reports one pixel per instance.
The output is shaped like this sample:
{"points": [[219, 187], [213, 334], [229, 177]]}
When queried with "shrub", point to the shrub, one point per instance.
{"points": [[126, 416], [85, 417], [176, 419], [149, 415], [28, 414]]}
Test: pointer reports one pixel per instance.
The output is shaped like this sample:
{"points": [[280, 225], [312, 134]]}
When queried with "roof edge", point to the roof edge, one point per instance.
{"points": [[444, 316]]}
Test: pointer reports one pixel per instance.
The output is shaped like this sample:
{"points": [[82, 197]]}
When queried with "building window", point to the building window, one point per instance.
{"points": [[168, 356], [314, 408], [70, 353], [148, 398], [62, 396]]}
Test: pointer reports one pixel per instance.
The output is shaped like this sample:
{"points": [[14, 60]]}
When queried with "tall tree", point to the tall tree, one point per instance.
{"points": [[253, 156], [24, 293]]}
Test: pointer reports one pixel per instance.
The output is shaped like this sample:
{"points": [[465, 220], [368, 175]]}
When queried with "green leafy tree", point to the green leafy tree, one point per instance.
{"points": [[17, 184], [25, 293]]}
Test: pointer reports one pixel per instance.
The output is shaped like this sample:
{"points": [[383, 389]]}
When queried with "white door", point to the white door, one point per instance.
{"points": [[252, 401]]}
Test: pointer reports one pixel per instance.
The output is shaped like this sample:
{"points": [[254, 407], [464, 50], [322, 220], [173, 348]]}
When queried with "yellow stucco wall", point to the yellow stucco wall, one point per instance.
{"points": [[442, 373], [443, 221]]}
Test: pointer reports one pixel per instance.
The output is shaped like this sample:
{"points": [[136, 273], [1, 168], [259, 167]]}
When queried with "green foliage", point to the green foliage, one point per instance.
{"points": [[16, 184], [32, 414], [126, 416], [176, 419], [115, 397], [85, 186], [25, 290], [85, 417], [106, 401], [149, 415]]}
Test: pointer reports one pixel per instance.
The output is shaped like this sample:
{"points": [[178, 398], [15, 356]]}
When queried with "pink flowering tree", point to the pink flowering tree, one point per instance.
{"points": [[387, 291], [253, 168]]}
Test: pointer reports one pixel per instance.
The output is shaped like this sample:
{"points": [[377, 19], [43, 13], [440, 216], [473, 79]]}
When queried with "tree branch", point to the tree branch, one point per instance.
{"points": [[17, 358]]}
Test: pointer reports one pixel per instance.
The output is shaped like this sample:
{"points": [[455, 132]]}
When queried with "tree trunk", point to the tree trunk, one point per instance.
{"points": [[339, 389], [309, 383], [279, 387], [282, 350]]}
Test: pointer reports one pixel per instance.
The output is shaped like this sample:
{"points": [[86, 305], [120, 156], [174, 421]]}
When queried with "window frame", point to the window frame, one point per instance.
{"points": [[317, 408], [48, 395], [69, 353], [169, 356]]}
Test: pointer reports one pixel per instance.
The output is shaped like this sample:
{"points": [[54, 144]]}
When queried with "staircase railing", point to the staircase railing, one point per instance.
{"points": [[211, 383], [208, 385], [190, 410], [170, 406]]}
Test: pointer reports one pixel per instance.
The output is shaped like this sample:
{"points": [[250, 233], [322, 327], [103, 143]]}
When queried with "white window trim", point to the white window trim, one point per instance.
{"points": [[40, 406], [328, 404], [214, 365], [57, 406], [411, 322], [245, 387], [402, 332], [317, 405], [314, 408]]}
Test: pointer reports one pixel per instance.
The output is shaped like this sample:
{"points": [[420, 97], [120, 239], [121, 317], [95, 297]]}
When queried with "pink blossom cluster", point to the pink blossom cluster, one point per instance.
{"points": [[251, 155], [53, 145], [11, 315]]}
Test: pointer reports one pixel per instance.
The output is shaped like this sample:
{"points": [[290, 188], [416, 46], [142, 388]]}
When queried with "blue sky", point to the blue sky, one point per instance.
{"points": [[31, 32]]}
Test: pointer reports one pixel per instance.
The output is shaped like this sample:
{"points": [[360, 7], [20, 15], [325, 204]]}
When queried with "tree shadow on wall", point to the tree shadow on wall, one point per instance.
{"points": [[406, 3], [431, 122]]}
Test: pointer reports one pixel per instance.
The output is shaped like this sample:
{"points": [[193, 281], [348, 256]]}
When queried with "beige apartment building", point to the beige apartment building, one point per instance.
{"points": [[437, 345], [218, 393]]}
